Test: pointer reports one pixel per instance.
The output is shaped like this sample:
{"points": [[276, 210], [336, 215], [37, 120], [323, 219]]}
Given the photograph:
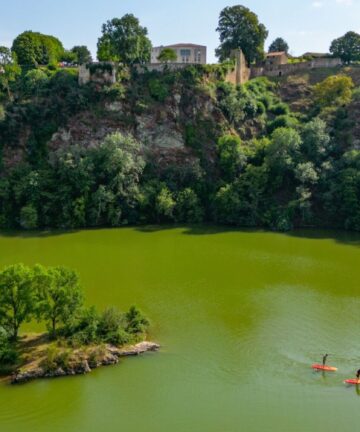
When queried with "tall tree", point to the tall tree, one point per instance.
{"points": [[278, 45], [240, 28], [347, 47], [33, 49], [124, 40], [59, 295], [82, 54], [16, 298]]}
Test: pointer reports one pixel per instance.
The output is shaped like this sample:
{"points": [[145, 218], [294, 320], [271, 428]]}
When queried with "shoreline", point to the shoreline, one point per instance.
{"points": [[72, 361]]}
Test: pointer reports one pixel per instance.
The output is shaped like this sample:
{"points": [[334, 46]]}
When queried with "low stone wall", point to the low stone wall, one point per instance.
{"points": [[160, 67], [291, 68]]}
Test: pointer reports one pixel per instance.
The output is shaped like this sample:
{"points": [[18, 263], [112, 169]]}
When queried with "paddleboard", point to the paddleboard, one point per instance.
{"points": [[352, 381], [325, 368]]}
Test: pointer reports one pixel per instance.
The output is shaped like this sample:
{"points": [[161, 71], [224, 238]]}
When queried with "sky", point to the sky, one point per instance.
{"points": [[307, 25]]}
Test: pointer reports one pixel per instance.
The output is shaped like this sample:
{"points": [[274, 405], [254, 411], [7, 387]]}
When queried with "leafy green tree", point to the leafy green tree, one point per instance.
{"points": [[33, 49], [8, 354], [34, 81], [335, 90], [167, 55], [17, 301], [315, 140], [136, 322], [111, 327], [231, 156], [5, 56], [29, 217], [284, 149], [347, 47], [117, 165], [165, 204], [188, 208], [9, 70], [124, 40], [279, 45], [59, 295], [240, 28], [82, 54]]}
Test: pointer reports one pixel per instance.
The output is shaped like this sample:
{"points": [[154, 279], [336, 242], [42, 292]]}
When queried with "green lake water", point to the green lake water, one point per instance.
{"points": [[240, 315]]}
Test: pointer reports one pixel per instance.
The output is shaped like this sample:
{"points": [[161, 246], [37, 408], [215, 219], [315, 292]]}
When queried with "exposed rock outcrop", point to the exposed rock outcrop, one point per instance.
{"points": [[83, 362]]}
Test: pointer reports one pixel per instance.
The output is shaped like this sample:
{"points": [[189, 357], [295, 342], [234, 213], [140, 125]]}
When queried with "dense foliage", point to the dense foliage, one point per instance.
{"points": [[278, 45], [124, 40], [240, 28], [76, 156], [54, 296], [347, 47], [33, 49]]}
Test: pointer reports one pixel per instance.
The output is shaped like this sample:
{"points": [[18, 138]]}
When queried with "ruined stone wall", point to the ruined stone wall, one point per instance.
{"points": [[286, 69], [101, 73], [241, 73]]}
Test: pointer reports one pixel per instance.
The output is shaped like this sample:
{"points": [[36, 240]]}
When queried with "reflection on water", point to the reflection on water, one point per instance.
{"points": [[241, 317]]}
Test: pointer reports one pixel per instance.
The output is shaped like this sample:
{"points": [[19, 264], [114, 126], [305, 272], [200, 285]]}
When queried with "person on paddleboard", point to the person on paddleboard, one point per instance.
{"points": [[358, 375], [324, 359]]}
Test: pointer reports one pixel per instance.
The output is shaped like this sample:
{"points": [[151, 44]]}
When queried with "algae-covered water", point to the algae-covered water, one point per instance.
{"points": [[240, 315]]}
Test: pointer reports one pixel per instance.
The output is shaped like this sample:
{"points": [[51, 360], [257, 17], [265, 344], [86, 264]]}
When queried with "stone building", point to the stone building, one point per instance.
{"points": [[187, 53], [275, 59]]}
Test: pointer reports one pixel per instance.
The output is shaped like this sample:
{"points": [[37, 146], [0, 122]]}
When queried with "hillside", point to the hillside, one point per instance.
{"points": [[180, 147]]}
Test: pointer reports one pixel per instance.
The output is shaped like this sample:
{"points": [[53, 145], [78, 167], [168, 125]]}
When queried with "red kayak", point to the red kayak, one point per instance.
{"points": [[352, 381], [320, 367]]}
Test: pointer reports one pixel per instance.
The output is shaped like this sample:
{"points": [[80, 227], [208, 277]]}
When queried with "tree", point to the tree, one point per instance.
{"points": [[278, 45], [167, 55], [82, 54], [9, 70], [5, 56], [165, 204], [16, 298], [59, 295], [347, 47], [315, 140], [283, 150], [136, 322], [335, 90], [124, 40], [231, 156], [33, 49], [29, 217], [188, 208], [240, 28]]}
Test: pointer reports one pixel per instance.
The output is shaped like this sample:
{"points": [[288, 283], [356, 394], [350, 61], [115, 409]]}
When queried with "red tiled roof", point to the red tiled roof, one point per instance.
{"points": [[275, 54]]}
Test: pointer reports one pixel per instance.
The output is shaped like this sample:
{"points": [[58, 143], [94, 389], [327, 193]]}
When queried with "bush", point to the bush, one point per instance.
{"points": [[280, 109], [111, 326], [282, 121], [8, 355], [334, 91], [158, 90]]}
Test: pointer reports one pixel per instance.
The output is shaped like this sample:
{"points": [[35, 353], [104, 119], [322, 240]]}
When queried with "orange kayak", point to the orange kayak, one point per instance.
{"points": [[320, 367], [352, 381]]}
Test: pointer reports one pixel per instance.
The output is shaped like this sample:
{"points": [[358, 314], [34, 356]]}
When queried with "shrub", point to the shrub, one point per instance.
{"points": [[333, 91], [8, 355], [136, 322], [158, 90], [282, 121], [280, 109]]}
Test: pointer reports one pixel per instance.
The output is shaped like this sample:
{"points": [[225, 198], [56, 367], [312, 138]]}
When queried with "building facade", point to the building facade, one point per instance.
{"points": [[186, 53]]}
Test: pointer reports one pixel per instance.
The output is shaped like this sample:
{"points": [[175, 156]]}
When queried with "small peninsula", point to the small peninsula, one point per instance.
{"points": [[78, 338]]}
